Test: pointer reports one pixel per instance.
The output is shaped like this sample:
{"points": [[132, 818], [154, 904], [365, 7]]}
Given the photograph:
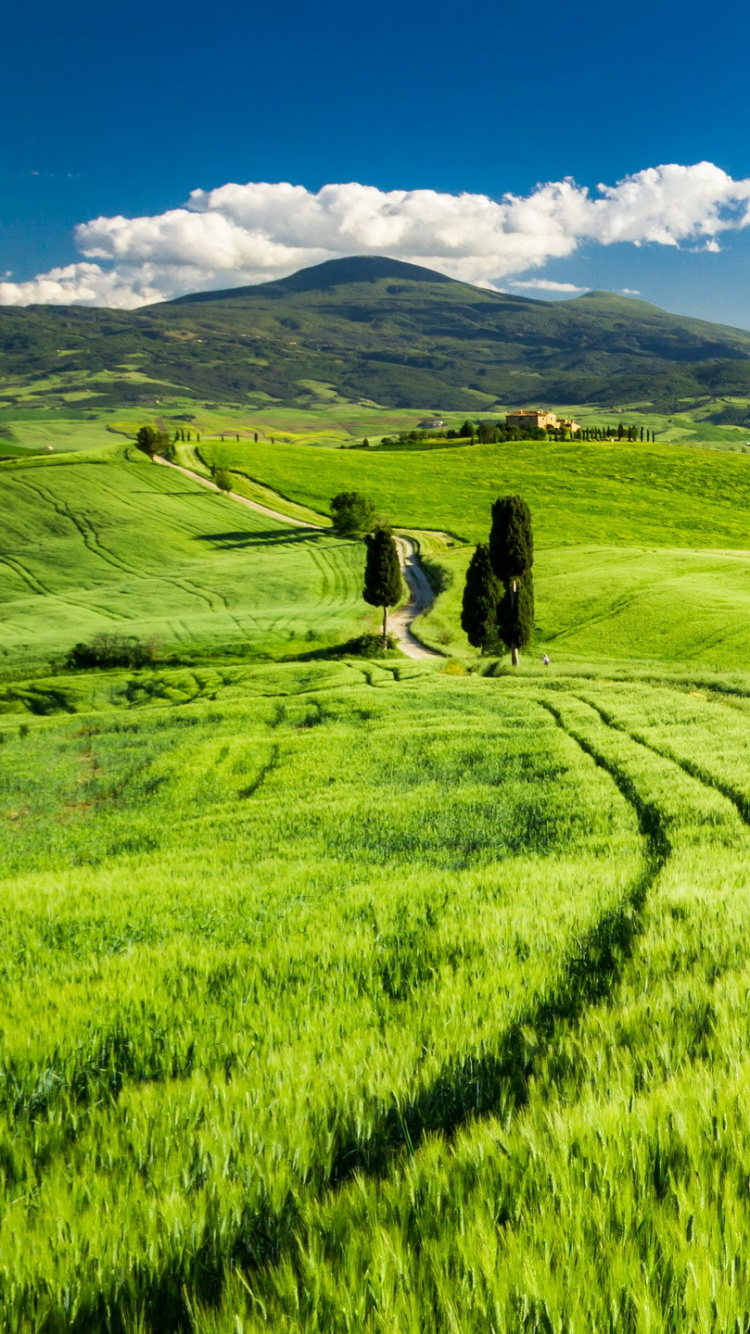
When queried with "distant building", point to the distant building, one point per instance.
{"points": [[537, 417], [431, 424]]}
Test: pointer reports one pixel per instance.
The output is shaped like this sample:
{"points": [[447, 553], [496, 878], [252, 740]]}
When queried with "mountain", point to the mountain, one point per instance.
{"points": [[372, 328]]}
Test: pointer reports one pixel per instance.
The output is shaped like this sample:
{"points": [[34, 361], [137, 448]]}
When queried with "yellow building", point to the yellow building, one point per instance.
{"points": [[537, 417], [526, 417]]}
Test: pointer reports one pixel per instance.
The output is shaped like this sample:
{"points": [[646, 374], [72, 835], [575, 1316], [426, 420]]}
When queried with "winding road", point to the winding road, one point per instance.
{"points": [[400, 621]]}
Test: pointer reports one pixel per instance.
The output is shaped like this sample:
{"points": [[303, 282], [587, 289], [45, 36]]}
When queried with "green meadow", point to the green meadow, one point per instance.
{"points": [[372, 997], [642, 550], [109, 543]]}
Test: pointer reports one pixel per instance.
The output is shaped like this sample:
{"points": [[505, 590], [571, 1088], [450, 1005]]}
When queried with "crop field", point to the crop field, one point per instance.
{"points": [[351, 997], [642, 550], [49, 414], [618, 495], [102, 543], [370, 998]]}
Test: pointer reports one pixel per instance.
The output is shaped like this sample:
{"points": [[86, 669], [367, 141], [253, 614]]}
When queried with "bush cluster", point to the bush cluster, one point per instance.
{"points": [[107, 650], [371, 646]]}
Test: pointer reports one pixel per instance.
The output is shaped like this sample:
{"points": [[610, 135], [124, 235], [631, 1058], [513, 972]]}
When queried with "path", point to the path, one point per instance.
{"points": [[421, 598], [242, 500], [421, 595]]}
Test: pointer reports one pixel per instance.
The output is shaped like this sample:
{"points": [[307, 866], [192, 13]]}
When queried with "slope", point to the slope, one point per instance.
{"points": [[642, 550], [97, 544], [374, 329]]}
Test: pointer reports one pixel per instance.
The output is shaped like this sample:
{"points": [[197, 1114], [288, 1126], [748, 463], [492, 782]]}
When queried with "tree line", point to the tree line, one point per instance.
{"points": [[490, 433]]}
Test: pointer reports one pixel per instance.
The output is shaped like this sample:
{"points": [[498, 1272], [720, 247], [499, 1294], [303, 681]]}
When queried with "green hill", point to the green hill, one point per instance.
{"points": [[96, 544], [375, 329]]}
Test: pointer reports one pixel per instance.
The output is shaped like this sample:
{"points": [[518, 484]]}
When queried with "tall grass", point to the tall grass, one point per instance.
{"points": [[249, 958], [616, 1200]]}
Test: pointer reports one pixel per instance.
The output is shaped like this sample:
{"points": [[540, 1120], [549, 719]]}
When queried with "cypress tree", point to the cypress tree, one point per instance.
{"points": [[515, 615], [482, 593], [382, 574], [512, 556], [511, 540]]}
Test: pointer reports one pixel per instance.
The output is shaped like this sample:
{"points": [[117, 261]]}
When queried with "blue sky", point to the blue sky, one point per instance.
{"points": [[124, 111]]}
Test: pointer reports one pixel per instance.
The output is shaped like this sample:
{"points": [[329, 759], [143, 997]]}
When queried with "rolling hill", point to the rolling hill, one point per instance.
{"points": [[371, 329]]}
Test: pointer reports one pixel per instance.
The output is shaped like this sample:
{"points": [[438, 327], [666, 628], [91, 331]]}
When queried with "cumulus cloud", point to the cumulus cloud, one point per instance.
{"points": [[238, 234], [630, 291]]}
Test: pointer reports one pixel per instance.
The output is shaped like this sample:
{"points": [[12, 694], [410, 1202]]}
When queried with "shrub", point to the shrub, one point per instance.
{"points": [[107, 650], [352, 514], [371, 646], [223, 479]]}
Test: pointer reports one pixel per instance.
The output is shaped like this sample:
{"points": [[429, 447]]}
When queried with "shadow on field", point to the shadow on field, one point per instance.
{"points": [[267, 537]]}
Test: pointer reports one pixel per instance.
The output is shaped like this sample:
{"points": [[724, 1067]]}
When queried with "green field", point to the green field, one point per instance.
{"points": [[105, 543], [288, 1045], [642, 550], [351, 997]]}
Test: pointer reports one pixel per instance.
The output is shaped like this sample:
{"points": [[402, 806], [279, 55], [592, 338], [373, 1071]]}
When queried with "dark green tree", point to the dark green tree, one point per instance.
{"points": [[382, 574], [512, 556], [352, 514], [481, 601], [515, 615], [467, 431], [151, 441]]}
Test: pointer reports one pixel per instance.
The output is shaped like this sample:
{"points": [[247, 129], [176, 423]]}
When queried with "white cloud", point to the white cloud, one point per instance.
{"points": [[630, 291], [240, 234], [547, 285]]}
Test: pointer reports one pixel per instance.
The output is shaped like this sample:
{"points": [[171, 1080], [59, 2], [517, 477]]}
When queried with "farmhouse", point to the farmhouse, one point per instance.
{"points": [[431, 423], [537, 417]]}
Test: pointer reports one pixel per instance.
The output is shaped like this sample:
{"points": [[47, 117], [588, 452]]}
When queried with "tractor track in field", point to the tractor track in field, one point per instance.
{"points": [[472, 1087], [738, 799], [95, 546]]}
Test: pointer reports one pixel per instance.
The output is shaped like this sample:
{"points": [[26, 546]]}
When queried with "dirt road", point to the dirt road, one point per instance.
{"points": [[421, 598]]}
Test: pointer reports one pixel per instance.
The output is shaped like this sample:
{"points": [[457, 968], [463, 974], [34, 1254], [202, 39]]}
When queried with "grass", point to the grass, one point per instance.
{"points": [[341, 997], [641, 549], [253, 944], [623, 495], [105, 543], [610, 1201], [275, 978]]}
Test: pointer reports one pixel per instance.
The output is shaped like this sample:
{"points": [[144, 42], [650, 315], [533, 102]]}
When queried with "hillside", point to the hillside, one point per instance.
{"points": [[345, 996], [100, 544], [370, 329]]}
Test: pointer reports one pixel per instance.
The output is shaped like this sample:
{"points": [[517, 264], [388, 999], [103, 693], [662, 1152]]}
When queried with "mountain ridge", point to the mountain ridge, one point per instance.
{"points": [[377, 329]]}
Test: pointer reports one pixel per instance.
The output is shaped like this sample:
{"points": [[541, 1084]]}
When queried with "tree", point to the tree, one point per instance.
{"points": [[481, 600], [382, 574], [515, 615], [222, 478], [352, 514], [152, 442], [512, 556], [468, 430]]}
